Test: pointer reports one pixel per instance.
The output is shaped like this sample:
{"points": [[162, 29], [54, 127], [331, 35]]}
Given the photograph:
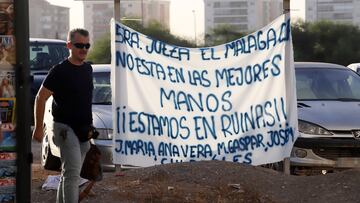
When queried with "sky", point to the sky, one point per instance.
{"points": [[187, 19]]}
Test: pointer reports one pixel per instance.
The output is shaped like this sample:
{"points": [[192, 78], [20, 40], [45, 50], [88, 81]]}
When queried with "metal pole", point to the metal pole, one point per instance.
{"points": [[194, 26], [117, 10], [117, 18], [142, 13], [23, 133], [286, 6], [286, 165]]}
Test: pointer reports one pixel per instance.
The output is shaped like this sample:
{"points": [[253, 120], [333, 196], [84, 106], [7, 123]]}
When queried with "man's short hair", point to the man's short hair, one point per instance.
{"points": [[72, 33]]}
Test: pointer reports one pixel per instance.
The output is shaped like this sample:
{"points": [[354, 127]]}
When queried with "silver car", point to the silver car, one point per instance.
{"points": [[102, 120], [329, 118]]}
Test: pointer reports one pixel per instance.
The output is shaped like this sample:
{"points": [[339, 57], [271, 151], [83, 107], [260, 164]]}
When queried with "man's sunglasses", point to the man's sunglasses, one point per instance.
{"points": [[81, 45]]}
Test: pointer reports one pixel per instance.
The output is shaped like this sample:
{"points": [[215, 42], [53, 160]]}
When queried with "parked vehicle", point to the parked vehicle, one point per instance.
{"points": [[329, 118], [102, 120], [355, 67], [44, 54]]}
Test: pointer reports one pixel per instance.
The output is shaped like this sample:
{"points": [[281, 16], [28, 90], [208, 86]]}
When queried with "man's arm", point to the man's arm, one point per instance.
{"points": [[39, 109]]}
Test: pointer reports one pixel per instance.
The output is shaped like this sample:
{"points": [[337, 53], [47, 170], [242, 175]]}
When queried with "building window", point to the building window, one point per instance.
{"points": [[238, 4], [231, 4], [230, 12], [235, 27], [324, 16], [325, 8], [230, 19], [342, 16]]}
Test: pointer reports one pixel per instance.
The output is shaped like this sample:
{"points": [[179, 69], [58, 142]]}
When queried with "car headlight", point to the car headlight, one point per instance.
{"points": [[104, 133], [312, 129]]}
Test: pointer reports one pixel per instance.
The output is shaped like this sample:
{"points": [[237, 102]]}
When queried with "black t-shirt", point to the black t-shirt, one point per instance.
{"points": [[72, 88]]}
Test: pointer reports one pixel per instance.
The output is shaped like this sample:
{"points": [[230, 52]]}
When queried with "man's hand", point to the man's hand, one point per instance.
{"points": [[39, 109], [38, 134]]}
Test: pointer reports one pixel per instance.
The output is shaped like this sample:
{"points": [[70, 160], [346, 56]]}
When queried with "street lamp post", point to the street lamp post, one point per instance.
{"points": [[194, 26]]}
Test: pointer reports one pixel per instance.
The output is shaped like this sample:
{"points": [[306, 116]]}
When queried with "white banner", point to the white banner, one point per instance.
{"points": [[233, 102]]}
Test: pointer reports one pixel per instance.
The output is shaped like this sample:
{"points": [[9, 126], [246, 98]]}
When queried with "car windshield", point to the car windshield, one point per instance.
{"points": [[327, 84], [44, 55], [102, 88]]}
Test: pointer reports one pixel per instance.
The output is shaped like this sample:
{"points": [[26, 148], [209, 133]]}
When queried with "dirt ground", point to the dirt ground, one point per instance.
{"points": [[211, 181]]}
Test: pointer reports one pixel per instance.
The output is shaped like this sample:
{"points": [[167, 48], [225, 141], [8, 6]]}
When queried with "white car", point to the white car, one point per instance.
{"points": [[355, 67], [102, 120]]}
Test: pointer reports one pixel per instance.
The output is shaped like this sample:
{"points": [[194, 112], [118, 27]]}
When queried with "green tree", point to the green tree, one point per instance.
{"points": [[222, 34], [101, 51], [326, 41], [157, 31]]}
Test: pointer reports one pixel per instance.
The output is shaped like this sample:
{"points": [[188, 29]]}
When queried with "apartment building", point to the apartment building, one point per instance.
{"points": [[242, 15], [47, 20], [195, 21], [146, 11], [344, 11], [96, 15]]}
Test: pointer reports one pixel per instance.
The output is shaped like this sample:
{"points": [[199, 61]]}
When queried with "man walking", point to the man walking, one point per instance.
{"points": [[70, 83]]}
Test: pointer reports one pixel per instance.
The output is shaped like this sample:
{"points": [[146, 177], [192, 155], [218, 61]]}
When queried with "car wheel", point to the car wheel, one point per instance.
{"points": [[48, 160]]}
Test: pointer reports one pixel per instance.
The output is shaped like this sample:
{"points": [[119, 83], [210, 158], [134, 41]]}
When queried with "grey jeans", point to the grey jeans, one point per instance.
{"points": [[72, 154]]}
